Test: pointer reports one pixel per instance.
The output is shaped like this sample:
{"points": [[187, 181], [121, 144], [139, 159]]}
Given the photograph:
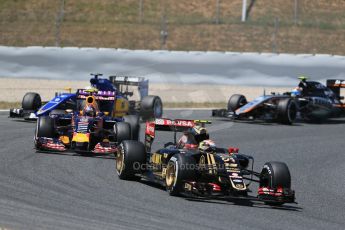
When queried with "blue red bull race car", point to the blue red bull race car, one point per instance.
{"points": [[87, 128], [94, 119]]}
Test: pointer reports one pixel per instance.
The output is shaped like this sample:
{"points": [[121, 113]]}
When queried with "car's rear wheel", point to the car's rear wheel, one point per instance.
{"points": [[133, 121], [180, 168], [236, 101], [151, 107], [287, 111], [130, 158], [122, 131]]}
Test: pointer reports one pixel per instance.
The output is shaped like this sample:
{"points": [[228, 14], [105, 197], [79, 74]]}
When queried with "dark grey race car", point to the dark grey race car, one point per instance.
{"points": [[316, 104]]}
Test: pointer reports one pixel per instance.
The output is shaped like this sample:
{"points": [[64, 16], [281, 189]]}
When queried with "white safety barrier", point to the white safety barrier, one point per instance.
{"points": [[265, 69]]}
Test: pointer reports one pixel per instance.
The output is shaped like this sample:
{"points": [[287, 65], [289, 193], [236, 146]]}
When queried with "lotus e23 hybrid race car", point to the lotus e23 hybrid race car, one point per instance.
{"points": [[314, 103], [195, 167]]}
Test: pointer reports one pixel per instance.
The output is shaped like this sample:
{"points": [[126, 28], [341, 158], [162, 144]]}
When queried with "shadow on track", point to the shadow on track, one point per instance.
{"points": [[23, 121], [299, 122], [152, 184], [260, 122], [251, 201], [73, 154], [331, 121]]}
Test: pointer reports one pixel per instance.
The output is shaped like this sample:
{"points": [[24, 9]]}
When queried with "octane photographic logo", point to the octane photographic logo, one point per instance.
{"points": [[198, 167]]}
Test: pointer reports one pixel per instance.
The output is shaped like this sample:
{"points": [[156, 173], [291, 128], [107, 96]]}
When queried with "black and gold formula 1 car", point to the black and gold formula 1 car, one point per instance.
{"points": [[200, 170]]}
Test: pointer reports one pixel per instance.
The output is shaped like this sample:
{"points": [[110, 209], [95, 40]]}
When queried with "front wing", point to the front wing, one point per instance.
{"points": [[21, 113]]}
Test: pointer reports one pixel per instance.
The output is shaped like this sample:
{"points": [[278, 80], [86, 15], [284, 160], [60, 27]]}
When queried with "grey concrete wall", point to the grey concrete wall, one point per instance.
{"points": [[169, 66]]}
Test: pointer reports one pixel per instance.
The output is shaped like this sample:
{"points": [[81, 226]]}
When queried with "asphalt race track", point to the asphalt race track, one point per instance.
{"points": [[53, 191]]}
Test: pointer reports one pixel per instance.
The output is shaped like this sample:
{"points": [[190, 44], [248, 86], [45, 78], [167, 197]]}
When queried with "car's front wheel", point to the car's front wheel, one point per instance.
{"points": [[236, 101], [275, 175], [180, 168], [287, 111], [45, 127]]}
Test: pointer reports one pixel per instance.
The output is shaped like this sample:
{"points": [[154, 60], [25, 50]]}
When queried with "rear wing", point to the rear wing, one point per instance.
{"points": [[122, 81], [98, 95], [335, 86], [165, 124], [162, 124]]}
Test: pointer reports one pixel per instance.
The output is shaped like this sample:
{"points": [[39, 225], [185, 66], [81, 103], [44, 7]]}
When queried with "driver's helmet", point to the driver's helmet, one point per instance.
{"points": [[303, 78], [90, 89], [200, 133], [207, 146], [296, 92], [187, 141], [89, 111]]}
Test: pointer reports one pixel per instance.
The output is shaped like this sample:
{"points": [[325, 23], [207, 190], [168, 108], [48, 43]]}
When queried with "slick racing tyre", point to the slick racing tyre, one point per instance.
{"points": [[287, 111], [31, 101], [45, 127], [130, 158], [180, 168], [133, 121], [236, 101], [122, 131], [151, 107], [274, 175]]}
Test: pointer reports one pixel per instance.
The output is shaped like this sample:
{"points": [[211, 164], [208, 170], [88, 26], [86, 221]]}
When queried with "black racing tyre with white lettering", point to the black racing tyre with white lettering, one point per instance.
{"points": [[180, 168], [273, 175]]}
